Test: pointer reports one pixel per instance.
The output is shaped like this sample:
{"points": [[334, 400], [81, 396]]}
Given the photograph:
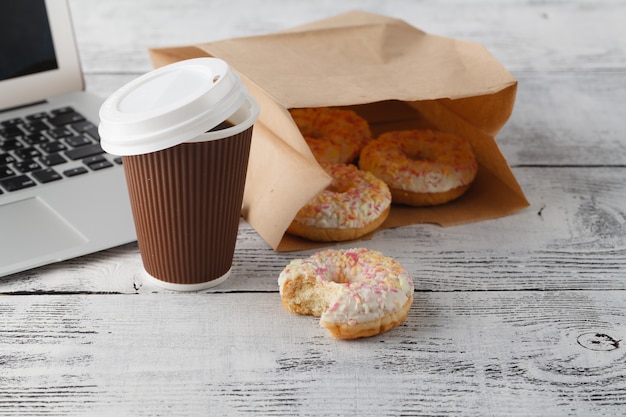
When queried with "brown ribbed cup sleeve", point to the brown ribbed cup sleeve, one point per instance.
{"points": [[186, 203]]}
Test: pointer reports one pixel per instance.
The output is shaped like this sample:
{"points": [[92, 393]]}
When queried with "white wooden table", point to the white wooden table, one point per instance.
{"points": [[519, 316]]}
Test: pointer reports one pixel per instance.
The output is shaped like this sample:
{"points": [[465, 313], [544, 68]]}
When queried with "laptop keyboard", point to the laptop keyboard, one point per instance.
{"points": [[46, 147]]}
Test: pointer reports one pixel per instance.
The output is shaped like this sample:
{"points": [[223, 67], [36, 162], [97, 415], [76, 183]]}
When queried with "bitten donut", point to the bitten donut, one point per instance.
{"points": [[333, 135], [355, 292], [354, 204], [421, 167]]}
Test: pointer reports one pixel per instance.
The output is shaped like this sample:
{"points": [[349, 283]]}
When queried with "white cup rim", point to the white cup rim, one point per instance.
{"points": [[244, 117]]}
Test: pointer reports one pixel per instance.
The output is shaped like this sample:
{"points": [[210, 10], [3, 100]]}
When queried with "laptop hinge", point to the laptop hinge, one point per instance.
{"points": [[22, 106]]}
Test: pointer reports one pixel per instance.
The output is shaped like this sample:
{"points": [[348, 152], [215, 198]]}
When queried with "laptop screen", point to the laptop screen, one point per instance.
{"points": [[26, 21], [38, 54]]}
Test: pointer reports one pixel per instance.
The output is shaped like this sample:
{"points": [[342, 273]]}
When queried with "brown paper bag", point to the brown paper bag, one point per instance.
{"points": [[389, 72]]}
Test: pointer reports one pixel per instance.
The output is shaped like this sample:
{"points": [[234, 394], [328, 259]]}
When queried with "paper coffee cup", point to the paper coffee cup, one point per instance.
{"points": [[185, 172]]}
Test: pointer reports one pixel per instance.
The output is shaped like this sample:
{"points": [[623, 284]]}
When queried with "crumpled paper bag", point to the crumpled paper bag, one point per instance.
{"points": [[391, 73]]}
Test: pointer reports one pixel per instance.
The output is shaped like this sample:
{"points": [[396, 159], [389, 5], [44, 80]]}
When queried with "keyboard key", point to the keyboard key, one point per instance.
{"points": [[37, 116], [6, 172], [6, 158], [93, 132], [76, 141], [10, 144], [11, 128], [84, 152], [35, 138], [83, 126], [27, 153], [17, 183], [59, 133], [94, 159], [53, 159], [10, 132], [47, 175], [35, 126], [53, 147], [27, 166], [75, 171], [11, 123], [66, 118], [61, 110], [100, 165]]}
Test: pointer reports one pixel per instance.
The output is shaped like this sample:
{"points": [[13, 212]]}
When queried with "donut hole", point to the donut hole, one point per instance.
{"points": [[420, 156], [340, 184], [339, 187]]}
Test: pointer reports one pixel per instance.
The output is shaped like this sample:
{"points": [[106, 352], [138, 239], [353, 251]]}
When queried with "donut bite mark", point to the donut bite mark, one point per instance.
{"points": [[355, 292]]}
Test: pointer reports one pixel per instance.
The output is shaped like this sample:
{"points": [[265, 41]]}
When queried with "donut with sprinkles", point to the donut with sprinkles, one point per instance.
{"points": [[333, 135], [353, 205], [355, 292], [421, 167]]}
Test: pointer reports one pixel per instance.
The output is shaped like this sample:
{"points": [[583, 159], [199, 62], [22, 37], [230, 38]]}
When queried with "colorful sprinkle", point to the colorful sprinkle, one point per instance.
{"points": [[333, 135], [420, 161], [354, 199]]}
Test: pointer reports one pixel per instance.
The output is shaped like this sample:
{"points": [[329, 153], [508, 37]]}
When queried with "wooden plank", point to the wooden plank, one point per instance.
{"points": [[572, 237], [573, 118], [560, 119], [472, 354], [522, 35]]}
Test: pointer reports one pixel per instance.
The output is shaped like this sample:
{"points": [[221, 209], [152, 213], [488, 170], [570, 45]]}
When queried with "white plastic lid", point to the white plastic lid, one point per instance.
{"points": [[170, 105]]}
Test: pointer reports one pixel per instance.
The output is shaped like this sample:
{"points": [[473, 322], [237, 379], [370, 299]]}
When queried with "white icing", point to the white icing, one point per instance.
{"points": [[365, 284]]}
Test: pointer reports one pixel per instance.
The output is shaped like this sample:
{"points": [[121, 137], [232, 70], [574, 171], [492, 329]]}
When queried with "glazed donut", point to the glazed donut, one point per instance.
{"points": [[421, 167], [354, 204], [355, 292], [333, 135]]}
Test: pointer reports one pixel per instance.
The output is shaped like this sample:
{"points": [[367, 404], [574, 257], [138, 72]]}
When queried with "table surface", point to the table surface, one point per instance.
{"points": [[520, 316]]}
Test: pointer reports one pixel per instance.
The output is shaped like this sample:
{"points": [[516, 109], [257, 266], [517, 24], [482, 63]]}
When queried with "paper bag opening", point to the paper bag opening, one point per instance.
{"points": [[392, 74]]}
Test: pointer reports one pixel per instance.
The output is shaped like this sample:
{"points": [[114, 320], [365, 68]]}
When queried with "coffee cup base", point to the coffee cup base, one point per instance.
{"points": [[186, 287]]}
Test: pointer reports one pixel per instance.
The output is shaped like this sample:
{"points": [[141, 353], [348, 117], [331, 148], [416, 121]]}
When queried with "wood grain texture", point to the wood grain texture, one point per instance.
{"points": [[472, 354], [567, 119], [518, 316], [531, 35], [573, 236]]}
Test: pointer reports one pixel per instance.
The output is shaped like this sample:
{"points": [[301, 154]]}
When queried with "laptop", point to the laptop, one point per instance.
{"points": [[61, 196]]}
